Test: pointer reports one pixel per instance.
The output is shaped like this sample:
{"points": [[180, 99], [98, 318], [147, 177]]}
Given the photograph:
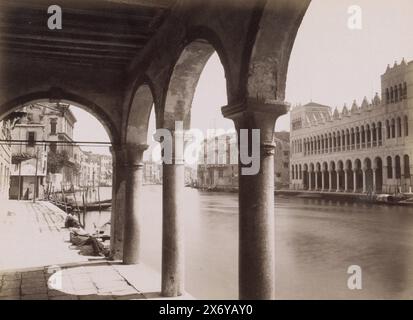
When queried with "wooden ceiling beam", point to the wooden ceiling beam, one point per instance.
{"points": [[62, 40]]}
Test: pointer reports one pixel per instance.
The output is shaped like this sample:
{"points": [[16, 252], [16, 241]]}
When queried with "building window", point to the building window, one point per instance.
{"points": [[53, 126], [220, 173], [53, 147], [31, 138], [285, 164], [406, 126]]}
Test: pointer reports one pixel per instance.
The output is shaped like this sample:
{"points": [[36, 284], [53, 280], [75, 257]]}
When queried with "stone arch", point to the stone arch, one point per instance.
{"points": [[179, 93], [138, 116], [66, 97], [269, 55]]}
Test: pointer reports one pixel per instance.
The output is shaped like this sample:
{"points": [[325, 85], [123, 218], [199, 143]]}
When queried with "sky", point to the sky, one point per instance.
{"points": [[329, 64]]}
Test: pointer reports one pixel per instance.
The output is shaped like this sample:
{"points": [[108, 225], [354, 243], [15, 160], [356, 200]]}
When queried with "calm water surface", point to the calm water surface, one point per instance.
{"points": [[316, 241]]}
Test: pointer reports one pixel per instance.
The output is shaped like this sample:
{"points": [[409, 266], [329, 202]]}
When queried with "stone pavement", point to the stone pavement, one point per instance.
{"points": [[38, 262]]}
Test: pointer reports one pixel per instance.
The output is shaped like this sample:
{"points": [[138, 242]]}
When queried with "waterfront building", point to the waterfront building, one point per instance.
{"points": [[282, 160], [218, 166], [218, 169], [364, 148], [59, 122], [29, 157], [5, 159], [152, 172]]}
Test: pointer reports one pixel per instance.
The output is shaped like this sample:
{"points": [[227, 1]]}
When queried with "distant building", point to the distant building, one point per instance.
{"points": [[282, 160], [46, 130], [27, 179], [218, 168], [5, 160], [152, 172], [218, 164], [364, 148]]}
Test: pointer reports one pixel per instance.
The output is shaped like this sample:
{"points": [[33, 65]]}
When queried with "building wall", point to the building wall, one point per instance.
{"points": [[366, 148], [26, 170], [5, 162], [282, 160]]}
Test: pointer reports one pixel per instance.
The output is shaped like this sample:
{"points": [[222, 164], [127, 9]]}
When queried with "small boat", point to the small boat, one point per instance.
{"points": [[95, 206]]}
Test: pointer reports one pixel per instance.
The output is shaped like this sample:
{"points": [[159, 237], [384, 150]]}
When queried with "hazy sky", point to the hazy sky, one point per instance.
{"points": [[330, 63]]}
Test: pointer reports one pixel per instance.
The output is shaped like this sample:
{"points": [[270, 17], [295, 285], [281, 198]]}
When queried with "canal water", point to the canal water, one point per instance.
{"points": [[316, 241]]}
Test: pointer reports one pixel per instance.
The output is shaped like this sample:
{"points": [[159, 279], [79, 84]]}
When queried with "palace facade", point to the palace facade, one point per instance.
{"points": [[364, 148]]}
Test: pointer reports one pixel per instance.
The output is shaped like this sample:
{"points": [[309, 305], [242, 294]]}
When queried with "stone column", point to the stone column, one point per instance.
{"points": [[173, 258], [256, 196], [371, 137], [133, 202], [310, 173], [394, 184], [316, 179], [330, 180], [384, 178], [364, 181], [338, 180], [118, 203], [374, 179], [354, 180], [402, 173], [322, 180], [346, 180]]}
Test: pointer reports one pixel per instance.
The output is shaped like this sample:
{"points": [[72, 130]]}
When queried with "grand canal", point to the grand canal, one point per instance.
{"points": [[316, 241]]}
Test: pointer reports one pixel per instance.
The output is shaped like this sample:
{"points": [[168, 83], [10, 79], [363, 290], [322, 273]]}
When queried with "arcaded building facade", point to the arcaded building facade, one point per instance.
{"points": [[365, 148]]}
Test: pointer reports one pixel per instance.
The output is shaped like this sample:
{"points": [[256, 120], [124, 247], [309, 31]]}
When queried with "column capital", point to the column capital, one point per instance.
{"points": [[274, 108], [134, 154], [256, 114], [129, 155]]}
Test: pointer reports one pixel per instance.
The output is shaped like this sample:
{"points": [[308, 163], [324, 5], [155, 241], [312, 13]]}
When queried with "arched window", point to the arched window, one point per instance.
{"points": [[389, 168], [406, 126], [398, 168], [379, 133], [399, 127], [387, 96], [405, 90], [388, 129], [406, 168], [362, 137], [374, 137], [393, 128], [391, 95], [396, 94]]}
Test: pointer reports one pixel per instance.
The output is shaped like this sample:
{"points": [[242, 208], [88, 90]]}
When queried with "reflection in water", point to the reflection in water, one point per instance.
{"points": [[316, 241]]}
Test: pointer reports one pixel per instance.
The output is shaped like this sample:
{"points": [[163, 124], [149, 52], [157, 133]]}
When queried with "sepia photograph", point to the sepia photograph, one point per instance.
{"points": [[206, 150]]}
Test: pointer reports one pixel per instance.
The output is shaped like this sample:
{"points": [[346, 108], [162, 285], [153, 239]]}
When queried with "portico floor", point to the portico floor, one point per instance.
{"points": [[38, 262]]}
